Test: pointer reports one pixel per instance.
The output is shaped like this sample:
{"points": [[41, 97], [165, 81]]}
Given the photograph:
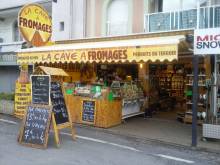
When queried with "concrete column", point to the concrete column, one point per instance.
{"points": [[143, 75]]}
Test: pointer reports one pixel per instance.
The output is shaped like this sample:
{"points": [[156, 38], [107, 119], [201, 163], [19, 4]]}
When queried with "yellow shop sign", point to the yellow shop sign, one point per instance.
{"points": [[120, 54], [35, 24]]}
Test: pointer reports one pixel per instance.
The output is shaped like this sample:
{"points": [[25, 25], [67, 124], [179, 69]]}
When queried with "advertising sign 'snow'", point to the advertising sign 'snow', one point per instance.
{"points": [[207, 41]]}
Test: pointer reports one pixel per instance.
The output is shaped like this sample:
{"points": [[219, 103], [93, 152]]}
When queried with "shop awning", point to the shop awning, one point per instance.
{"points": [[132, 50], [51, 71]]}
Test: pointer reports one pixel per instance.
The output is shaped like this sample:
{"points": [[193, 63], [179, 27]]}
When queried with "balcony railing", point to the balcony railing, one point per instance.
{"points": [[7, 53], [10, 47], [8, 58], [208, 17]]}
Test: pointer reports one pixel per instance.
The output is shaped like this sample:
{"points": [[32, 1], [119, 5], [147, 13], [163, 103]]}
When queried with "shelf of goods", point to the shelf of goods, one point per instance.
{"points": [[177, 85], [172, 82], [187, 118], [132, 97]]}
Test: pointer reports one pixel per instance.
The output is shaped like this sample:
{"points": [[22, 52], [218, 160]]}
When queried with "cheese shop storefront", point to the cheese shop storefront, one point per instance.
{"points": [[107, 80]]}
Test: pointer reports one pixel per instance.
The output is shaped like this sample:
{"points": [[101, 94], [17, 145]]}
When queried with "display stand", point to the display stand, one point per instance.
{"points": [[211, 127], [201, 96]]}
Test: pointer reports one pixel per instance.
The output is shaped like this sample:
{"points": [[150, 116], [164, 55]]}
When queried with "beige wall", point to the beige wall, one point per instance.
{"points": [[95, 13], [138, 16], [88, 18], [98, 18], [93, 18]]}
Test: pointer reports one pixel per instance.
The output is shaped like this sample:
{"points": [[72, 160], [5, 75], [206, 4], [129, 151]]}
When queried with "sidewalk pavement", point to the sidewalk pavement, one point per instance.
{"points": [[166, 132]]}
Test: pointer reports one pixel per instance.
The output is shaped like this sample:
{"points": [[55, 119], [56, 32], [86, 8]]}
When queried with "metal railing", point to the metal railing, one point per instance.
{"points": [[8, 59], [10, 47], [7, 53], [209, 17]]}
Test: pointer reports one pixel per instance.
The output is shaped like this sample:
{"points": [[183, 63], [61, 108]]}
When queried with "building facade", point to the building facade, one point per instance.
{"points": [[11, 40], [78, 19], [101, 18]]}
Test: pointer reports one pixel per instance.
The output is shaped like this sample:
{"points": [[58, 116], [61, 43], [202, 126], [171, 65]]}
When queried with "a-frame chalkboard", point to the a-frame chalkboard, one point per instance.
{"points": [[58, 103], [61, 115], [35, 126]]}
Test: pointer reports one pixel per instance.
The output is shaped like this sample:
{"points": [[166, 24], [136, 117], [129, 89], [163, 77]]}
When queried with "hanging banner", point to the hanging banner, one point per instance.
{"points": [[22, 98], [35, 24], [207, 41], [123, 54]]}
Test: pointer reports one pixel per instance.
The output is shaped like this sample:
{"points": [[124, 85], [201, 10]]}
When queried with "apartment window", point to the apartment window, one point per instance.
{"points": [[61, 26], [117, 17], [188, 4], [16, 34], [216, 2]]}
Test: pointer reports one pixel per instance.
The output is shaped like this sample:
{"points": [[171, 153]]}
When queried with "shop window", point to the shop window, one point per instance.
{"points": [[117, 17], [61, 26], [16, 34]]}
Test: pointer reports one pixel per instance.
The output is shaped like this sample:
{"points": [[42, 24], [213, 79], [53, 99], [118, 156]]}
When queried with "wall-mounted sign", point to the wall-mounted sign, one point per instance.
{"points": [[207, 41], [88, 111], [35, 24]]}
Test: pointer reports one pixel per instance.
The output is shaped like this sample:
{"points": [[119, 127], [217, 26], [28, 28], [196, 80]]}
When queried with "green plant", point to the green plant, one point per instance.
{"points": [[6, 96]]}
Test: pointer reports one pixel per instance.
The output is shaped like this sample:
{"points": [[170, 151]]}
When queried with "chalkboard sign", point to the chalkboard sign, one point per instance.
{"points": [[88, 111], [35, 126], [58, 103], [40, 89]]}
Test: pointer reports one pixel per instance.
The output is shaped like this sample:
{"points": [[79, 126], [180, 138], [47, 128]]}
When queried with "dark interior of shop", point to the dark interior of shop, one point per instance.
{"points": [[119, 72]]}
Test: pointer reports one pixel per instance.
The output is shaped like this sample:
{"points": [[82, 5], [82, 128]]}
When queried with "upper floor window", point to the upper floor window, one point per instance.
{"points": [[117, 17], [216, 2], [179, 5], [16, 34]]}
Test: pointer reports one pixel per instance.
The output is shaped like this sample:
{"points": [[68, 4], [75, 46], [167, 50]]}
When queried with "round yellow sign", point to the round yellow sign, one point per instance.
{"points": [[35, 24]]}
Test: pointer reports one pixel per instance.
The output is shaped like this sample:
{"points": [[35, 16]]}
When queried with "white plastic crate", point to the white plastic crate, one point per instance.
{"points": [[211, 131], [6, 107]]}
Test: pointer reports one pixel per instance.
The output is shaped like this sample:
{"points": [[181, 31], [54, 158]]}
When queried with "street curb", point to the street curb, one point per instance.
{"points": [[148, 140]]}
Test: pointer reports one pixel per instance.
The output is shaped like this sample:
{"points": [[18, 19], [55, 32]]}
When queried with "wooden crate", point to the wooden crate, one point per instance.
{"points": [[73, 104], [188, 120], [109, 113]]}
